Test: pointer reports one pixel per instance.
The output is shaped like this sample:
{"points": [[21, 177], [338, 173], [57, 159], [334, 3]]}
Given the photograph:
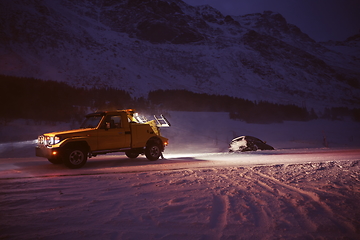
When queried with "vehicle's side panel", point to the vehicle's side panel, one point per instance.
{"points": [[141, 133], [111, 138], [112, 133], [92, 141]]}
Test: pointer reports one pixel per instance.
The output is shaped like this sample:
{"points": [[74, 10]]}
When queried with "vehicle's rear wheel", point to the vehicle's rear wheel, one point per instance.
{"points": [[56, 161], [152, 151], [75, 158], [132, 154]]}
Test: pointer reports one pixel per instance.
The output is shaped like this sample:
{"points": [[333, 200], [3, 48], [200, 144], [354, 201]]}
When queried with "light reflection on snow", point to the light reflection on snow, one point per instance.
{"points": [[187, 155], [18, 149], [266, 157], [9, 145]]}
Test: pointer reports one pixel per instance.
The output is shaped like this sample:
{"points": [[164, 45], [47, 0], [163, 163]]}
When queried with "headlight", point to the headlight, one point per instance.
{"points": [[41, 139], [47, 140]]}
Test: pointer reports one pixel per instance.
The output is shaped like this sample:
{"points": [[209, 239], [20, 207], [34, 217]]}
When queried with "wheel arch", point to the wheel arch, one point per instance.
{"points": [[77, 144], [157, 141]]}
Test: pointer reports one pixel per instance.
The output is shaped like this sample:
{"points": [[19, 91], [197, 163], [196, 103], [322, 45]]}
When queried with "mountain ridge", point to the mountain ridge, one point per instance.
{"points": [[141, 46]]}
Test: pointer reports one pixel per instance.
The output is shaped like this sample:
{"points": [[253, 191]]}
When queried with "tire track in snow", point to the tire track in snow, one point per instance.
{"points": [[261, 216], [218, 218], [329, 219], [282, 196], [311, 195]]}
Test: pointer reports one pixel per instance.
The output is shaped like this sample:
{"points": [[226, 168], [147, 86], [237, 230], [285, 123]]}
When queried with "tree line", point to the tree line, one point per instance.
{"points": [[238, 108], [36, 99], [41, 100]]}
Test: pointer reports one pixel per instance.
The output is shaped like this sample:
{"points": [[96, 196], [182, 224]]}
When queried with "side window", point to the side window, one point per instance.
{"points": [[116, 121], [112, 122]]}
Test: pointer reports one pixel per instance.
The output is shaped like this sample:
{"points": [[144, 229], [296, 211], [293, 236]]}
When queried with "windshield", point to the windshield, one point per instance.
{"points": [[91, 121]]}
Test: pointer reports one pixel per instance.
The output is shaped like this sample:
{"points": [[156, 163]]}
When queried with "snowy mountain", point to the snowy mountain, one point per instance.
{"points": [[140, 46]]}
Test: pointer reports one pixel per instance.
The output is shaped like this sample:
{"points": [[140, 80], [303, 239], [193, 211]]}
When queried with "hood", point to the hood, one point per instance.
{"points": [[80, 132]]}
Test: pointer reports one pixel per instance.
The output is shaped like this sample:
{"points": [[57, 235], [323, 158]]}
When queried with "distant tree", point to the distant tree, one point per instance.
{"points": [[356, 114], [238, 108], [54, 101]]}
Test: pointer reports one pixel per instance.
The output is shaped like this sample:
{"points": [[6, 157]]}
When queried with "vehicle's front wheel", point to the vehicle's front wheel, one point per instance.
{"points": [[75, 158], [152, 151]]}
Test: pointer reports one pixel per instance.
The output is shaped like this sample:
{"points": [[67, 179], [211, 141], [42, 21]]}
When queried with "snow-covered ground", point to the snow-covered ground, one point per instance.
{"points": [[301, 190], [315, 200]]}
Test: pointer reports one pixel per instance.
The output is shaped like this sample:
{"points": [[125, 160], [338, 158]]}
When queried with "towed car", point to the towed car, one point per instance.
{"points": [[248, 143]]}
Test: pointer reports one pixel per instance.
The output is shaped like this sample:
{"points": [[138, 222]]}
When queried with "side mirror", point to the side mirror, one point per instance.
{"points": [[107, 125]]}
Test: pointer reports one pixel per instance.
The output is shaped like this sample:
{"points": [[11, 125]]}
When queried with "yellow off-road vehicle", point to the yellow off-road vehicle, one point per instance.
{"points": [[105, 132]]}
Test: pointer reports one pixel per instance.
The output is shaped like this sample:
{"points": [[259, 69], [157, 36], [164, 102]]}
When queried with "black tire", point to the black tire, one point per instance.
{"points": [[56, 161], [132, 154], [75, 158], [152, 151]]}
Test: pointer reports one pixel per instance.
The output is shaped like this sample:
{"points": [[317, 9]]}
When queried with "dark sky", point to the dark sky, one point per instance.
{"points": [[322, 20]]}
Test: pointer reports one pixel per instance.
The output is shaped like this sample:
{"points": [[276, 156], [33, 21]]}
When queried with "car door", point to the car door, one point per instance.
{"points": [[112, 134]]}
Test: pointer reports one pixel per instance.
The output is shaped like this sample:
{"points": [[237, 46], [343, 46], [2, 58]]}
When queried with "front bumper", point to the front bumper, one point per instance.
{"points": [[46, 152]]}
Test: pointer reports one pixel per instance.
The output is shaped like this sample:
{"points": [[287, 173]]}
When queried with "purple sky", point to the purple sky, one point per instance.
{"points": [[322, 20]]}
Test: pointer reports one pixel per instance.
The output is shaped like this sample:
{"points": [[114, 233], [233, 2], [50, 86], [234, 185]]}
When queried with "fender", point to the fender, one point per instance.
{"points": [[163, 142], [83, 141]]}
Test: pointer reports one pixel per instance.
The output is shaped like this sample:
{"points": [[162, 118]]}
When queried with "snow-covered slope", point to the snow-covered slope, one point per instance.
{"points": [[141, 46]]}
